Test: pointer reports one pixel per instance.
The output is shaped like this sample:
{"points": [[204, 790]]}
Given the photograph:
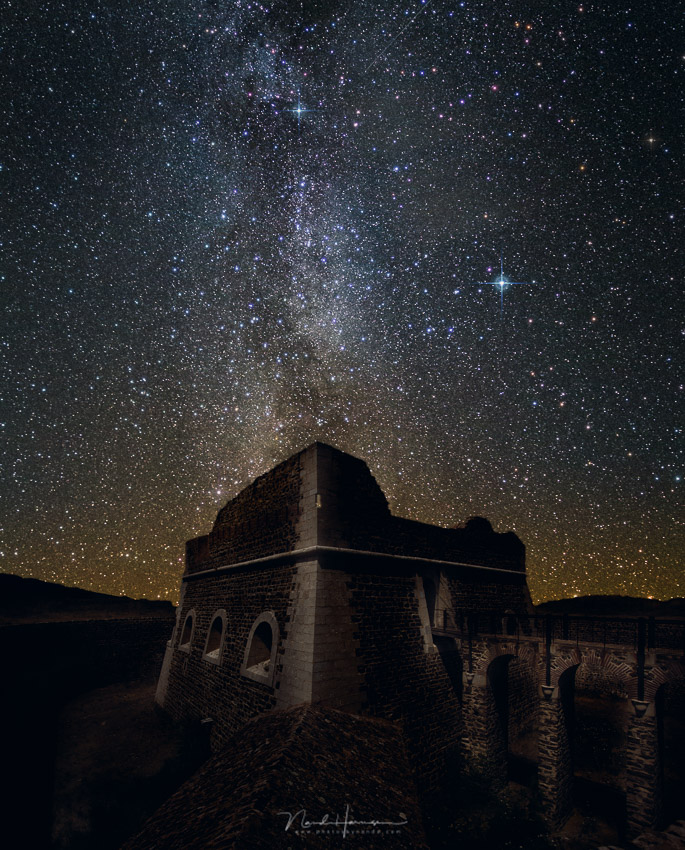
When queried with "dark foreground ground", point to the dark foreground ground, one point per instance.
{"points": [[117, 759]]}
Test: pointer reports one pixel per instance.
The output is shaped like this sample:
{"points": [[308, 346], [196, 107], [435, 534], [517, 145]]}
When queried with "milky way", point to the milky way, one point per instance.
{"points": [[231, 229]]}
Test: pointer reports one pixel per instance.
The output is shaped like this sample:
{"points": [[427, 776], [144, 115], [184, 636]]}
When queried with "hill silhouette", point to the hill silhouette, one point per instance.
{"points": [[614, 606], [29, 600]]}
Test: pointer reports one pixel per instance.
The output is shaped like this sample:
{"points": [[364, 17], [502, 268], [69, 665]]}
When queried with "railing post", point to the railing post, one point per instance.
{"points": [[548, 646], [641, 640]]}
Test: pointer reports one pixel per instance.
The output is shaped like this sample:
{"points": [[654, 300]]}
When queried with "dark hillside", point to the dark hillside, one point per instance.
{"points": [[613, 606], [31, 601], [58, 643]]}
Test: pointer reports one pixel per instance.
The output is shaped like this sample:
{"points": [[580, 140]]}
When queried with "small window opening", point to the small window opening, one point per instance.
{"points": [[187, 633], [260, 648], [510, 624], [214, 639]]}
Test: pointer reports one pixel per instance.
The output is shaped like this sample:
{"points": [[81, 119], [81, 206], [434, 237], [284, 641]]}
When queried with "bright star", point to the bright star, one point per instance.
{"points": [[299, 110], [503, 282]]}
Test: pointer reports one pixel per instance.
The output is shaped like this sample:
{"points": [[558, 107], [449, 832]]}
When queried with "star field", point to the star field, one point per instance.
{"points": [[230, 229]]}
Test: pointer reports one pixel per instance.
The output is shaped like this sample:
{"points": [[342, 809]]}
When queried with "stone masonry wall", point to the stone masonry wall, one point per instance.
{"points": [[355, 514], [261, 520], [320, 663], [485, 596], [643, 774], [524, 701], [404, 679], [484, 742], [555, 766], [197, 688]]}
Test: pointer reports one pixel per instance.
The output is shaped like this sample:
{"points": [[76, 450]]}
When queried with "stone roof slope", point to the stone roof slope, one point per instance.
{"points": [[309, 761]]}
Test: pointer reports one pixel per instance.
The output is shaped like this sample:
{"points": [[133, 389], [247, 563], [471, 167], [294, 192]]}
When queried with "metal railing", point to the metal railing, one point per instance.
{"points": [[640, 634], [634, 632]]}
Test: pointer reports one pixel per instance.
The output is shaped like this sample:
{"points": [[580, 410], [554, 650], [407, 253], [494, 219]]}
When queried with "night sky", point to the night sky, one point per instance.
{"points": [[231, 229]]}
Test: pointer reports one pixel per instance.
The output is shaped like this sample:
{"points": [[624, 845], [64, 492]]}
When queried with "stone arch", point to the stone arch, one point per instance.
{"points": [[512, 703], [659, 676], [561, 662], [602, 667], [187, 632], [524, 651], [216, 633], [498, 684], [259, 658], [666, 688], [592, 686]]}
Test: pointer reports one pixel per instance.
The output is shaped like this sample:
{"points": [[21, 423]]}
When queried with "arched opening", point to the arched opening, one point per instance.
{"points": [[260, 648], [523, 721], [567, 693], [509, 624], [430, 593], [498, 681], [187, 632], [215, 638], [512, 682], [259, 659], [596, 711]]}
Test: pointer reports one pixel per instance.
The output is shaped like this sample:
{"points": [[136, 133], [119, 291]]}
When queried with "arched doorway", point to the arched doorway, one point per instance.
{"points": [[513, 686], [598, 713]]}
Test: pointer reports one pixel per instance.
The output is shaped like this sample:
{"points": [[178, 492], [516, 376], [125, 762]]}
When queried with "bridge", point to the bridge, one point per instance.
{"points": [[517, 678]]}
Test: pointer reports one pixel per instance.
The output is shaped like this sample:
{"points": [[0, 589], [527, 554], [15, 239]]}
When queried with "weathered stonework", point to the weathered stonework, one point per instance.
{"points": [[555, 766], [643, 773], [347, 585], [320, 596]]}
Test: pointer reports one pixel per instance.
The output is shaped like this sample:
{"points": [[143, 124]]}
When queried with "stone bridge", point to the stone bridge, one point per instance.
{"points": [[518, 678]]}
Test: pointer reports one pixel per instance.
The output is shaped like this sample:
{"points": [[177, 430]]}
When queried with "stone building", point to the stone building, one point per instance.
{"points": [[308, 591]]}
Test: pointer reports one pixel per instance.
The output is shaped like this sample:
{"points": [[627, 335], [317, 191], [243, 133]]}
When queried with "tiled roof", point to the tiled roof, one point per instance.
{"points": [[308, 761]]}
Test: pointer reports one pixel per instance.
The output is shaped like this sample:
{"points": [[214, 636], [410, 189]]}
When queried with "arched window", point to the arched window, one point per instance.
{"points": [[259, 659], [187, 632], [260, 648], [215, 638], [509, 623]]}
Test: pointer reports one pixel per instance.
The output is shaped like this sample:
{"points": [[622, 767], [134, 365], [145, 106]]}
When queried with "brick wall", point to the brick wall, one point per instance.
{"points": [[403, 681], [524, 701], [355, 514], [198, 689], [485, 596], [261, 520]]}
